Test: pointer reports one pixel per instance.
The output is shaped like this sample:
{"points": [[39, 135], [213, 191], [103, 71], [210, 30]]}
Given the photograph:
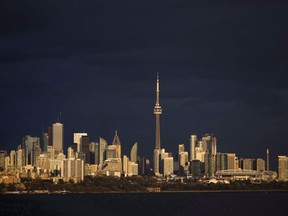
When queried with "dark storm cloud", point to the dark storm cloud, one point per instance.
{"points": [[222, 67]]}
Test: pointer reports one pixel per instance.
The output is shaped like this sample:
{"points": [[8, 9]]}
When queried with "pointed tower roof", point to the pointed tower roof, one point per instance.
{"points": [[116, 140]]}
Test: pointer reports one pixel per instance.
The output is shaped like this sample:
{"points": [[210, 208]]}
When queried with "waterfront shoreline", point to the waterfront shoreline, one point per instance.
{"points": [[143, 192]]}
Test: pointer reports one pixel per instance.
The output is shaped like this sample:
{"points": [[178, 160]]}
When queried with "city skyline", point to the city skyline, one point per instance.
{"points": [[223, 71], [200, 149]]}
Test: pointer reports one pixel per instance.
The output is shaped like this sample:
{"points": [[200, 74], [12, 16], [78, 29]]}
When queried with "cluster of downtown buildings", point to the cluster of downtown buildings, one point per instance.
{"points": [[45, 158]]}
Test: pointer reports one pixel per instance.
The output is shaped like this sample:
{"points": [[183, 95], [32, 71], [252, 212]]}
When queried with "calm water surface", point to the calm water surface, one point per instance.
{"points": [[202, 203]]}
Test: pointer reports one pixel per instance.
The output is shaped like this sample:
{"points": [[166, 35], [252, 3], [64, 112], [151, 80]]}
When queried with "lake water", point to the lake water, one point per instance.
{"points": [[150, 204]]}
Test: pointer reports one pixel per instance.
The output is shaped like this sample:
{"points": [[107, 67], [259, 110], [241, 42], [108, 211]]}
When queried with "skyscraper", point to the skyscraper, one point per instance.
{"points": [[77, 139], [157, 112], [31, 146], [283, 168], [133, 153], [117, 143], [57, 136], [85, 148], [193, 139], [44, 141], [102, 148], [267, 159]]}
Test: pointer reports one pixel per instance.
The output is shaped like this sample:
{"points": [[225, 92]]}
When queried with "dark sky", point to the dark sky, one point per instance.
{"points": [[223, 70]]}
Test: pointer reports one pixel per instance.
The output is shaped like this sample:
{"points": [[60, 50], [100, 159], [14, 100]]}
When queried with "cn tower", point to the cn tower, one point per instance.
{"points": [[157, 112]]}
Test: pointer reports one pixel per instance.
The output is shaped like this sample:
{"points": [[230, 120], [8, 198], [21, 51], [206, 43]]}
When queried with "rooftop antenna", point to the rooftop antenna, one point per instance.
{"points": [[59, 117]]}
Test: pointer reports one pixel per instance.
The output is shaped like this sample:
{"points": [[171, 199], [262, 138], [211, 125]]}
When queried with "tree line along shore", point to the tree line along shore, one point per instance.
{"points": [[135, 184]]}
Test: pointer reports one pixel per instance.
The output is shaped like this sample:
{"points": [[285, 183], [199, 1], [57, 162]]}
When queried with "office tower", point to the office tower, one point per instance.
{"points": [[193, 140], [57, 137], [44, 141], [19, 157], [92, 152], [209, 143], [156, 159], [111, 152], [199, 153], [77, 140], [31, 146], [205, 139], [260, 163], [72, 169], [213, 145], [125, 165], [49, 136], [12, 159], [117, 143], [283, 168], [6, 162], [70, 153], [97, 150], [195, 168], [231, 157], [267, 160], [132, 168], [246, 163], [181, 148], [157, 112], [51, 152], [85, 141], [209, 165], [183, 158], [74, 147], [142, 165], [102, 148], [133, 153], [221, 161], [167, 166], [43, 162]]}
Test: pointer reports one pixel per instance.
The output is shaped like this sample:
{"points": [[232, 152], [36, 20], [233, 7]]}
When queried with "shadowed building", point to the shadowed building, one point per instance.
{"points": [[31, 146], [77, 140], [102, 148], [85, 141]]}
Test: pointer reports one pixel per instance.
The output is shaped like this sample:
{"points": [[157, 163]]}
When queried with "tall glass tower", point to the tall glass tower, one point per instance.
{"points": [[157, 112]]}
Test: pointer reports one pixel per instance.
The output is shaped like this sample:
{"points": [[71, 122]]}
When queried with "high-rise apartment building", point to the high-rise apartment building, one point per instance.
{"points": [[57, 137], [167, 166], [193, 140], [283, 168], [125, 164], [260, 164], [157, 112], [183, 158], [231, 157], [102, 148], [12, 159], [133, 153], [19, 157]]}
